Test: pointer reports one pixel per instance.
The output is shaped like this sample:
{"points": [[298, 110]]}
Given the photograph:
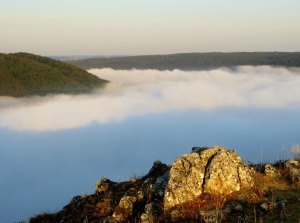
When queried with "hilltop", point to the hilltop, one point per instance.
{"points": [[207, 185], [24, 74], [192, 61]]}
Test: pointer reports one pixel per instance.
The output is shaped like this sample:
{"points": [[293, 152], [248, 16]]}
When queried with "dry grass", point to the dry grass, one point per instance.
{"points": [[208, 208]]}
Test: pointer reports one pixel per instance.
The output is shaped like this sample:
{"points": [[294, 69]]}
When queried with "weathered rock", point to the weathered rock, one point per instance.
{"points": [[124, 209], [293, 169], [238, 207], [175, 215], [161, 183], [266, 207], [158, 169], [212, 216], [213, 170], [103, 185], [186, 177], [270, 170], [198, 149], [109, 219], [226, 173], [127, 202], [140, 195], [282, 203], [152, 210], [147, 218]]}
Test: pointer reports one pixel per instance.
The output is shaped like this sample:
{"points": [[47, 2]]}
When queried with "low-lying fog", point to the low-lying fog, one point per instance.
{"points": [[140, 92], [55, 147]]}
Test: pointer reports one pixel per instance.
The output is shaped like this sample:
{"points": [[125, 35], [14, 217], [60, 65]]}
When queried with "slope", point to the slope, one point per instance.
{"points": [[24, 74]]}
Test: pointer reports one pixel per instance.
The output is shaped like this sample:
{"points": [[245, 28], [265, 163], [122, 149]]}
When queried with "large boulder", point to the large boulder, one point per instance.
{"points": [[214, 170]]}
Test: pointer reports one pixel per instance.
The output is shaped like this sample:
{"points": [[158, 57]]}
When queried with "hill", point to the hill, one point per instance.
{"points": [[206, 185], [192, 61], [24, 74]]}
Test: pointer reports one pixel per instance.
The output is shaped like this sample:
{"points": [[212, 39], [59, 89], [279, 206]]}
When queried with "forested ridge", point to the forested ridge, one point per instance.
{"points": [[23, 74], [192, 61]]}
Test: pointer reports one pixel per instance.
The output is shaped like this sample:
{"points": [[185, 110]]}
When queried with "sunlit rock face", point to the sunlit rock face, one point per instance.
{"points": [[124, 209], [214, 170], [292, 167], [270, 170]]}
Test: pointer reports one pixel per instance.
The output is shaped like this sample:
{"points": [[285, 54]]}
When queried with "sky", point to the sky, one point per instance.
{"points": [[131, 27]]}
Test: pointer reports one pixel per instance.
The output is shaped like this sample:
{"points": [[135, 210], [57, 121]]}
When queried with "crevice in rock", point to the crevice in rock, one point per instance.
{"points": [[238, 173], [207, 166], [183, 164]]}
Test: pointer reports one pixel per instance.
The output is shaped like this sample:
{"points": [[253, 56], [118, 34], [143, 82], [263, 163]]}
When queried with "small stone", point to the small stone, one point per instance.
{"points": [[270, 170], [238, 207], [293, 169], [227, 209], [197, 149], [212, 216], [124, 209], [147, 218], [102, 187], [282, 203], [267, 207], [127, 202], [175, 215], [264, 206], [140, 195]]}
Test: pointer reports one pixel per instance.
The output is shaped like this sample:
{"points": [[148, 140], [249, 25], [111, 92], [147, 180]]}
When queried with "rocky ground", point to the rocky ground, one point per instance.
{"points": [[206, 185]]}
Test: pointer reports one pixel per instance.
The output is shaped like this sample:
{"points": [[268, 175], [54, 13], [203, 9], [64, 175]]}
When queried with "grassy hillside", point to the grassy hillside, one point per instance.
{"points": [[24, 74], [192, 61]]}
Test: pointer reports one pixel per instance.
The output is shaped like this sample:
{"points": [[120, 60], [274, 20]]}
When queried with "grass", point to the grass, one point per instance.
{"points": [[270, 190]]}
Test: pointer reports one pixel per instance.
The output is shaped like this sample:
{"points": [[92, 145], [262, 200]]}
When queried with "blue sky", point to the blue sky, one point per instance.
{"points": [[53, 27]]}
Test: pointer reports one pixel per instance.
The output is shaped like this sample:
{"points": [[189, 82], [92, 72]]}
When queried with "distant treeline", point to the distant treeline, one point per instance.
{"points": [[24, 74], [192, 61]]}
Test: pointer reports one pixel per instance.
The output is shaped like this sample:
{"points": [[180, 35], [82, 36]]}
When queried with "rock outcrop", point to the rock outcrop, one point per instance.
{"points": [[208, 184], [293, 169], [152, 211], [124, 210], [270, 170], [215, 170]]}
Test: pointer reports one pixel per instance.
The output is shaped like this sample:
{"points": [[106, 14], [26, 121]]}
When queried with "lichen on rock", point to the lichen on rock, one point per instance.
{"points": [[270, 170], [124, 209], [293, 169], [214, 170]]}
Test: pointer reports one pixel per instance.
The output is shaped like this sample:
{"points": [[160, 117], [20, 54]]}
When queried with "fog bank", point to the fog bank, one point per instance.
{"points": [[138, 92]]}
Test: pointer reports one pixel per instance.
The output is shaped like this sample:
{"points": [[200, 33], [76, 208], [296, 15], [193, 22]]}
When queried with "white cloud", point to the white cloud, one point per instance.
{"points": [[137, 92]]}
